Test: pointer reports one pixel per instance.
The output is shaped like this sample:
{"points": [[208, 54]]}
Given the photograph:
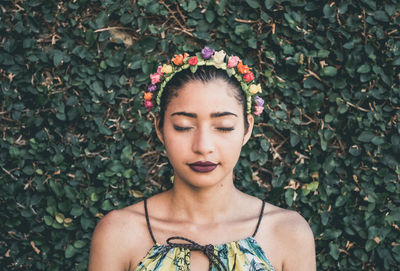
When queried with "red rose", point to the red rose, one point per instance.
{"points": [[193, 61], [248, 77]]}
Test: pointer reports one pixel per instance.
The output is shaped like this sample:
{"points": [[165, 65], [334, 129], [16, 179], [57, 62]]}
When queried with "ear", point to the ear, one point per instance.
{"points": [[247, 135], [159, 132]]}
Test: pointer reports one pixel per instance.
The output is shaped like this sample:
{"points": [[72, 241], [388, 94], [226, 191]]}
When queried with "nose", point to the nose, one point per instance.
{"points": [[203, 141]]}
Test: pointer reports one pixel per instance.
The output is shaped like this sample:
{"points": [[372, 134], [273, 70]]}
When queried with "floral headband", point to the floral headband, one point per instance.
{"points": [[208, 57]]}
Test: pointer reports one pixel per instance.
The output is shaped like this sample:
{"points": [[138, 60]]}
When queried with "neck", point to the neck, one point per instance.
{"points": [[202, 205]]}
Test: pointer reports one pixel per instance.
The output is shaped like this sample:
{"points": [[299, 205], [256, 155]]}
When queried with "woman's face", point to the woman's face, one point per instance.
{"points": [[204, 132]]}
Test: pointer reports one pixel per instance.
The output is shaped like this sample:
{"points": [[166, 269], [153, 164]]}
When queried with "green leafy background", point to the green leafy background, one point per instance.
{"points": [[76, 142]]}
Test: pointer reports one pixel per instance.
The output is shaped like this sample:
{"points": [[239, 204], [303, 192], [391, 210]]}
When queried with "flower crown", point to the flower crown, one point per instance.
{"points": [[208, 57]]}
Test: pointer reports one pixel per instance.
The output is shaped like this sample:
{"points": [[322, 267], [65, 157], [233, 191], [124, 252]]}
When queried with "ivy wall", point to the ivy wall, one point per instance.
{"points": [[76, 142]]}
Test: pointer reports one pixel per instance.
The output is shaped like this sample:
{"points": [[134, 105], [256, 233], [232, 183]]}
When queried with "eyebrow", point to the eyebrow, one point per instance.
{"points": [[213, 115]]}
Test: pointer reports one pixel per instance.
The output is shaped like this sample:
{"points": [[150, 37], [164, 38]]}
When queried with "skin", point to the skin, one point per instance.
{"points": [[203, 123]]}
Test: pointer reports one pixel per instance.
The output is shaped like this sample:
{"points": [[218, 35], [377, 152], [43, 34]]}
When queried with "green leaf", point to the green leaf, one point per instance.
{"points": [[381, 16], [289, 196], [94, 197], [210, 16], [377, 140], [269, 3], [252, 43], [328, 118], [126, 154], [116, 165], [107, 205], [101, 20], [334, 250], [58, 57], [329, 71], [265, 145], [294, 139], [58, 158], [79, 244], [253, 3], [396, 61], [370, 245], [313, 186], [340, 201], [70, 251], [243, 30], [365, 68], [76, 211], [329, 11], [48, 220], [86, 223], [366, 136], [354, 150], [332, 234], [97, 87], [264, 16]]}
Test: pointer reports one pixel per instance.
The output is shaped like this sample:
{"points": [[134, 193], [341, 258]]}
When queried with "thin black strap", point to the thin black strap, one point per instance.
{"points": [[207, 250], [259, 219], [148, 221]]}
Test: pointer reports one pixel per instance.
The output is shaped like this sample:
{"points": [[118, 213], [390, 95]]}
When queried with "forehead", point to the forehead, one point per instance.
{"points": [[213, 96]]}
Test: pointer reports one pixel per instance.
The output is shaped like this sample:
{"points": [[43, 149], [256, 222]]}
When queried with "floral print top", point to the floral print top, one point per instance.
{"points": [[245, 254]]}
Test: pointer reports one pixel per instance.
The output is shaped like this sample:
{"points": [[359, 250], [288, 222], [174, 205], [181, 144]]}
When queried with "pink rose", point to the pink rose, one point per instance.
{"points": [[233, 61], [159, 70], [258, 110], [148, 105], [155, 78]]}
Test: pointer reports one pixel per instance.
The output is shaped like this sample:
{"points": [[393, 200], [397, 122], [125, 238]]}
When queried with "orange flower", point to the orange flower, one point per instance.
{"points": [[178, 60], [243, 69], [148, 96]]}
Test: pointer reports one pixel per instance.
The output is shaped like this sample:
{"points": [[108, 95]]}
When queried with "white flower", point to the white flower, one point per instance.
{"points": [[219, 59]]}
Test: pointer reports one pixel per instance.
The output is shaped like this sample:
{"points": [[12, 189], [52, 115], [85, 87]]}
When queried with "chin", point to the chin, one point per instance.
{"points": [[202, 180]]}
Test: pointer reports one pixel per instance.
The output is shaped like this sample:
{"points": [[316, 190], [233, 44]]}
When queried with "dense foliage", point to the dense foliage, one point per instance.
{"points": [[76, 141]]}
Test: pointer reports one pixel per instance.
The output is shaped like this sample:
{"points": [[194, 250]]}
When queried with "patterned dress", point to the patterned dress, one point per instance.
{"points": [[245, 254]]}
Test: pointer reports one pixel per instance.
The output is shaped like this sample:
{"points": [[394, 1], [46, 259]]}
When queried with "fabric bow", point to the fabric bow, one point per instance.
{"points": [[208, 250]]}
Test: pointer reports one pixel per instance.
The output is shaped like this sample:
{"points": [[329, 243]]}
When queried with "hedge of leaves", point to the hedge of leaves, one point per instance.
{"points": [[76, 142]]}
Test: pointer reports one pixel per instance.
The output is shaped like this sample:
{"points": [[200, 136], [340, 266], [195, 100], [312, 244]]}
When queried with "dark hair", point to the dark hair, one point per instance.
{"points": [[204, 74]]}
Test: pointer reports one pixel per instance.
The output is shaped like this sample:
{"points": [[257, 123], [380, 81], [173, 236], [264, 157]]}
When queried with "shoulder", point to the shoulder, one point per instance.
{"points": [[293, 235], [288, 221], [117, 236], [292, 226]]}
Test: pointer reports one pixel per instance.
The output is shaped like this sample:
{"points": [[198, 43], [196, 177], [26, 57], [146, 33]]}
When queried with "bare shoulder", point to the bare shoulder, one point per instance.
{"points": [[290, 224], [289, 231], [119, 235]]}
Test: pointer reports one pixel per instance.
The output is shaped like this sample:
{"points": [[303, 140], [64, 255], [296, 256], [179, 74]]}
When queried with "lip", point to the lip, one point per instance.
{"points": [[203, 167]]}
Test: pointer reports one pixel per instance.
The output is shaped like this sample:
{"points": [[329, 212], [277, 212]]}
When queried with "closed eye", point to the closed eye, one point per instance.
{"points": [[225, 129], [180, 128]]}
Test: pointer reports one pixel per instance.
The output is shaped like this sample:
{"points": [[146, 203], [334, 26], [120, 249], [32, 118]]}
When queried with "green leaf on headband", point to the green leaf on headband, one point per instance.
{"points": [[193, 69]]}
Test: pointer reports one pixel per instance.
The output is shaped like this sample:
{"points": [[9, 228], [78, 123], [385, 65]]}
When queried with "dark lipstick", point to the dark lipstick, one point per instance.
{"points": [[203, 167]]}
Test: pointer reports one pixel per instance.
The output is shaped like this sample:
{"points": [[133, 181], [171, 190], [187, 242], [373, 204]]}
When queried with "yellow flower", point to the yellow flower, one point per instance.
{"points": [[255, 89], [166, 68], [219, 58]]}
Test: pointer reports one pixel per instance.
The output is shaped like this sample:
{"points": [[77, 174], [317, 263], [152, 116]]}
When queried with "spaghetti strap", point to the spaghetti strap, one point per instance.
{"points": [[259, 219], [148, 221]]}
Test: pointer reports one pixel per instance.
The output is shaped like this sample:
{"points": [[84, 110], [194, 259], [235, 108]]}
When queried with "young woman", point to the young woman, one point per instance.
{"points": [[203, 222]]}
